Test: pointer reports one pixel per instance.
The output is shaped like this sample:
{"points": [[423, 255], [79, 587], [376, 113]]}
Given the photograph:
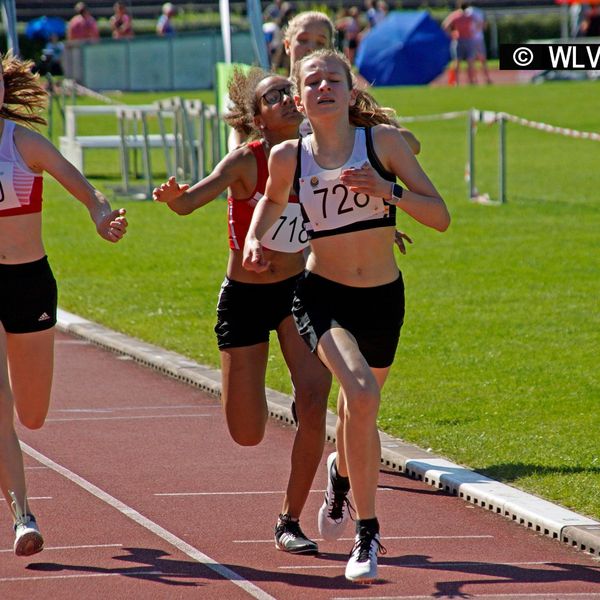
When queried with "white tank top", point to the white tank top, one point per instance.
{"points": [[20, 187], [328, 206]]}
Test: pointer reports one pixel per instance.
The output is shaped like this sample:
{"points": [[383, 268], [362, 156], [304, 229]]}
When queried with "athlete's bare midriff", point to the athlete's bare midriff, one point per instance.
{"points": [[282, 266], [21, 239], [359, 259]]}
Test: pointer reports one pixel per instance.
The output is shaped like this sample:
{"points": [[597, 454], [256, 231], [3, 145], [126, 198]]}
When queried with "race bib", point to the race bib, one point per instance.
{"points": [[8, 196], [329, 204], [287, 234]]}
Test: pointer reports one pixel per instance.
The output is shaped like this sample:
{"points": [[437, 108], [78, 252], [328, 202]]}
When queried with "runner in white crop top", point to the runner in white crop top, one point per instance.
{"points": [[351, 275], [28, 298]]}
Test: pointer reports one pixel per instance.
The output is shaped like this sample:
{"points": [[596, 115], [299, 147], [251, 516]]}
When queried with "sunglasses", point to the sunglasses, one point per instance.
{"points": [[276, 95]]}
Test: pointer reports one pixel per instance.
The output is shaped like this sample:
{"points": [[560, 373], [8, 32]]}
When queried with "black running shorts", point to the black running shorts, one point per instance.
{"points": [[373, 315], [28, 297], [247, 312]]}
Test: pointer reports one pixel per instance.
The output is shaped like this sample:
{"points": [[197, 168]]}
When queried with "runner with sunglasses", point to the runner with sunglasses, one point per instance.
{"points": [[251, 305]]}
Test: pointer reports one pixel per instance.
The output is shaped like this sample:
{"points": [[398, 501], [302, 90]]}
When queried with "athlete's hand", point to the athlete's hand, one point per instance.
{"points": [[254, 258], [366, 180], [169, 191], [113, 226], [399, 237]]}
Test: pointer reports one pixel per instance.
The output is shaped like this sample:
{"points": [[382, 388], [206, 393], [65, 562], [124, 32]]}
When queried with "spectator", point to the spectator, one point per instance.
{"points": [[590, 26], [82, 27], [51, 59], [121, 23], [165, 27], [459, 25], [273, 11], [479, 26], [349, 28]]}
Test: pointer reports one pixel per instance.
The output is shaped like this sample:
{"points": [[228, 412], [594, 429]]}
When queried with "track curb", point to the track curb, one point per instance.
{"points": [[535, 513]]}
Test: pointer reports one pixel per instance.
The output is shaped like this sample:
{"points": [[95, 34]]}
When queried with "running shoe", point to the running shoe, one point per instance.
{"points": [[362, 565], [28, 539], [290, 538], [334, 513]]}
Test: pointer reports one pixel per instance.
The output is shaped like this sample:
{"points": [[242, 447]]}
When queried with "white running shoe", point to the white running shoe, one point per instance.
{"points": [[362, 565], [334, 513], [28, 539]]}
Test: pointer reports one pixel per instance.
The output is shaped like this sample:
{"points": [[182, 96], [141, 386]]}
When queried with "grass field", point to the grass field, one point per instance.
{"points": [[497, 367]]}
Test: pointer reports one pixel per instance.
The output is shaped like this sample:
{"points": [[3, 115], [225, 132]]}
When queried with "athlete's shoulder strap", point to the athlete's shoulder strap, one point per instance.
{"points": [[374, 159]]}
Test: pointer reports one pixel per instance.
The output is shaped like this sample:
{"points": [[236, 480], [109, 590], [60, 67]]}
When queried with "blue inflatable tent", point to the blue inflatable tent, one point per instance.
{"points": [[406, 48]]}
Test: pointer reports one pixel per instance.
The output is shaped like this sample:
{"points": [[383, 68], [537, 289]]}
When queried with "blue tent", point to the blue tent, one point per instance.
{"points": [[406, 48], [43, 28]]}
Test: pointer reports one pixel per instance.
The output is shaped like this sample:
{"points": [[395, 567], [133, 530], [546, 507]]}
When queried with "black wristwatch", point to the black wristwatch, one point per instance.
{"points": [[397, 191]]}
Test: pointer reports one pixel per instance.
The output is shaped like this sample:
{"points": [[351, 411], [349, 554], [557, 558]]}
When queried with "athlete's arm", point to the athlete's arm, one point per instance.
{"points": [[184, 199], [411, 139], [282, 165], [420, 200], [40, 155]]}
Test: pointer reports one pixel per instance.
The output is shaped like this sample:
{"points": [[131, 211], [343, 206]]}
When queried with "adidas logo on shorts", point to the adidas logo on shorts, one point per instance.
{"points": [[44, 317]]}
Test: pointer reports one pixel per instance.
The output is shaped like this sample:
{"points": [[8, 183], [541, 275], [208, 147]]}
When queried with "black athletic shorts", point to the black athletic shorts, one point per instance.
{"points": [[373, 315], [247, 312], [28, 297]]}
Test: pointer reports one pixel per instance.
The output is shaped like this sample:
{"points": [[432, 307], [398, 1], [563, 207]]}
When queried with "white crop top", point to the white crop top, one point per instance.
{"points": [[328, 206]]}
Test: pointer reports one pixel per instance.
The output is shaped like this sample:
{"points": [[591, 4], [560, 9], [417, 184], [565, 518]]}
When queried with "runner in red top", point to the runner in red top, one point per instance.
{"points": [[251, 305]]}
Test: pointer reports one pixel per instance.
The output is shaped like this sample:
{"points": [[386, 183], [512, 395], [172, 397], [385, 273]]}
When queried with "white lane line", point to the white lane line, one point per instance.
{"points": [[151, 526], [248, 493], [390, 537], [114, 574], [532, 596], [38, 498], [66, 419], [82, 547], [35, 468], [224, 493], [439, 565], [120, 408], [577, 595]]}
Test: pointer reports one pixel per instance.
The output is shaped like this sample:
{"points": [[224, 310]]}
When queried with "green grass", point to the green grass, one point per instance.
{"points": [[497, 367]]}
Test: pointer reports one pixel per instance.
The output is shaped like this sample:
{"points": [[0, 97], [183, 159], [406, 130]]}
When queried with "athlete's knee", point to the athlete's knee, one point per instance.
{"points": [[31, 420], [362, 401], [247, 435]]}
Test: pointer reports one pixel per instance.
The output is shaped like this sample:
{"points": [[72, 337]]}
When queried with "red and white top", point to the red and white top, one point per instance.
{"points": [[20, 188], [286, 235]]}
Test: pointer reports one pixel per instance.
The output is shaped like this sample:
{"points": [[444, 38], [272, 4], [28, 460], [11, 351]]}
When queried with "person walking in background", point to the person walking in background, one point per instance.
{"points": [[28, 301], [479, 24], [121, 23], [251, 304], [82, 27], [590, 25], [164, 26], [459, 26], [349, 306], [349, 28]]}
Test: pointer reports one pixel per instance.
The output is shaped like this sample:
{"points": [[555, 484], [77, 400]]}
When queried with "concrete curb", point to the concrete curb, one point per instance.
{"points": [[526, 509]]}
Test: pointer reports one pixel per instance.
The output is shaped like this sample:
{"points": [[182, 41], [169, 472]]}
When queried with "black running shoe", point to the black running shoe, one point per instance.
{"points": [[290, 538]]}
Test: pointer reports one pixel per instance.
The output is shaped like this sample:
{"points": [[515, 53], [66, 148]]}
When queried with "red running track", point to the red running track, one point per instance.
{"points": [[140, 493]]}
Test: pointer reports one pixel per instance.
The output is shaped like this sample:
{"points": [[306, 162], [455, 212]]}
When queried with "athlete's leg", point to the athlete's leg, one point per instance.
{"points": [[339, 351], [243, 397], [312, 382], [31, 366], [12, 474]]}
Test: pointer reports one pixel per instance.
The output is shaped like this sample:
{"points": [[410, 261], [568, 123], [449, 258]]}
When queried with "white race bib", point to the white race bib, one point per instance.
{"points": [[329, 204], [8, 196], [288, 233]]}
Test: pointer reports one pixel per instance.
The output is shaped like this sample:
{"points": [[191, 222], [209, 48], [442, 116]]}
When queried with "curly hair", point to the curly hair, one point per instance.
{"points": [[366, 111], [244, 104], [308, 16], [24, 95]]}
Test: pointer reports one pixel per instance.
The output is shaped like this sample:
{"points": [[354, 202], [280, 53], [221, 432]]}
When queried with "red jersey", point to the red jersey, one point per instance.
{"points": [[240, 211]]}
